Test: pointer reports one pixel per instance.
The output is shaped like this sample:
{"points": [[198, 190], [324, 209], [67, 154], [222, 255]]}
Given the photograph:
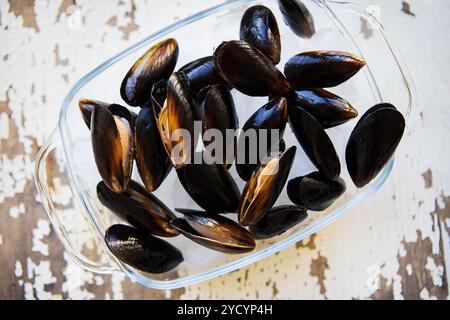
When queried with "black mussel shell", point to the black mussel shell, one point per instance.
{"points": [[158, 97], [264, 187], [215, 232], [140, 208], [315, 142], [141, 250], [151, 157], [176, 119], [248, 70], [272, 116], [157, 63], [329, 109], [373, 142], [87, 106], [315, 192], [259, 28], [211, 187], [113, 146], [278, 221], [202, 73], [297, 17], [219, 113], [321, 69]]}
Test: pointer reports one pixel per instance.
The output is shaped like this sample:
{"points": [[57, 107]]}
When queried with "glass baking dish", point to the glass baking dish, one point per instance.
{"points": [[66, 175]]}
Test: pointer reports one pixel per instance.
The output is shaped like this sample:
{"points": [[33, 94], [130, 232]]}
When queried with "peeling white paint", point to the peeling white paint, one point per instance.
{"points": [[15, 212], [39, 233], [19, 270], [371, 235], [4, 126]]}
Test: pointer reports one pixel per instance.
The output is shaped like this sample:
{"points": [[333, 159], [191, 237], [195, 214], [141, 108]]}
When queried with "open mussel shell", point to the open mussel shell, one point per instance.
{"points": [[272, 116], [175, 119], [157, 63], [215, 232], [211, 186], [87, 106], [248, 70], [321, 69], [140, 208], [113, 146], [264, 187], [259, 28], [141, 250], [202, 73], [219, 115], [152, 160], [314, 191], [277, 221], [373, 142], [297, 17], [329, 109], [315, 142]]}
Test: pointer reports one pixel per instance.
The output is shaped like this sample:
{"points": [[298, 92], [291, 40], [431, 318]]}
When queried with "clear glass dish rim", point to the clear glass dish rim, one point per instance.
{"points": [[254, 257]]}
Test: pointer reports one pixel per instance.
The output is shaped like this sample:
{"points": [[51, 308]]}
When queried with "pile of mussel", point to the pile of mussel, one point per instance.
{"points": [[201, 91]]}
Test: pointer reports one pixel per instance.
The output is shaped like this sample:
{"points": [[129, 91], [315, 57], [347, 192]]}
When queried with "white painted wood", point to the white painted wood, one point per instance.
{"points": [[394, 245]]}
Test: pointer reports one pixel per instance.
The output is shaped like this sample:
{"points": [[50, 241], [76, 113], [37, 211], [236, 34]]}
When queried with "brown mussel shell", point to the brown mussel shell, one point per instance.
{"points": [[264, 187], [321, 69], [176, 118], [113, 145], [329, 109], [218, 112], [87, 106], [259, 28], [140, 208], [157, 63], [202, 73], [248, 70], [278, 221], [315, 142], [215, 232], [297, 17], [151, 157], [141, 250], [272, 116], [211, 186], [315, 192], [373, 142]]}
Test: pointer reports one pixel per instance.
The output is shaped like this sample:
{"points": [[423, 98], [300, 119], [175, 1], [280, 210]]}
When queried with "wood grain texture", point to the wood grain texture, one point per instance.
{"points": [[394, 246]]}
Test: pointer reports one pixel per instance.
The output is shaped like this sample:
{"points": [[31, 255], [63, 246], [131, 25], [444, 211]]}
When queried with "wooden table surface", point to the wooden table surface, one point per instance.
{"points": [[394, 246]]}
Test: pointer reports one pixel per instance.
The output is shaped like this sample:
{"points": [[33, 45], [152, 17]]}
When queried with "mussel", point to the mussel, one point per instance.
{"points": [[259, 28], [140, 208], [215, 232], [218, 113], [329, 109], [157, 63], [248, 70], [264, 187], [278, 221], [141, 250], [297, 17], [175, 119], [315, 142], [373, 142], [321, 69], [87, 106], [202, 73], [314, 191], [113, 145], [211, 186], [151, 157], [270, 117]]}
